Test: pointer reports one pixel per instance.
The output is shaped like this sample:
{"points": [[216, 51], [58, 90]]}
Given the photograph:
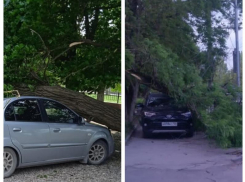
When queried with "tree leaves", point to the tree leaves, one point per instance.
{"points": [[182, 45], [45, 49]]}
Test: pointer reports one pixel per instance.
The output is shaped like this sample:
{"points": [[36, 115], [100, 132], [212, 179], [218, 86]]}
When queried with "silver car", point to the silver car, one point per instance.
{"points": [[40, 131]]}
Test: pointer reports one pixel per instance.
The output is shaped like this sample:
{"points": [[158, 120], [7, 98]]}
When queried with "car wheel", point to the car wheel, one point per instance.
{"points": [[97, 153], [9, 162]]}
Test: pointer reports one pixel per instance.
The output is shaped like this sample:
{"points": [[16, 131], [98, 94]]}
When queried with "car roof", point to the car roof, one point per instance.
{"points": [[25, 97]]}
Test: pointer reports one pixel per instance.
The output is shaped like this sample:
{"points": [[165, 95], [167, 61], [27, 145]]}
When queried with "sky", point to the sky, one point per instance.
{"points": [[230, 41]]}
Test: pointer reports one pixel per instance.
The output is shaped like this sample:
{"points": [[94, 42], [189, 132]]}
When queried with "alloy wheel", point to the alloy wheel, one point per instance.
{"points": [[96, 153], [7, 162]]}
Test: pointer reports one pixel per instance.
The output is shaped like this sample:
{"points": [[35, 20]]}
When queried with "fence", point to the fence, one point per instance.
{"points": [[109, 96]]}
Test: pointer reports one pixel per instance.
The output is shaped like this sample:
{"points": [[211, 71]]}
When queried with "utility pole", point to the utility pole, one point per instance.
{"points": [[237, 46], [234, 61]]}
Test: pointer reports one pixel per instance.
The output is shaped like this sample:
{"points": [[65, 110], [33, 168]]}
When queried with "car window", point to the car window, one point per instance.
{"points": [[23, 110], [9, 113], [159, 101], [58, 113]]}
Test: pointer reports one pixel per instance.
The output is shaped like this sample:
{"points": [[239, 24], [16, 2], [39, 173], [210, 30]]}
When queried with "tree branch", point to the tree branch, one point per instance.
{"points": [[44, 45], [86, 67], [37, 78], [107, 7], [148, 80], [61, 53]]}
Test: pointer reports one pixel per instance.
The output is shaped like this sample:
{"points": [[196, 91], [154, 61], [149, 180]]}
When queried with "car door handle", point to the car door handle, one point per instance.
{"points": [[56, 130], [16, 129]]}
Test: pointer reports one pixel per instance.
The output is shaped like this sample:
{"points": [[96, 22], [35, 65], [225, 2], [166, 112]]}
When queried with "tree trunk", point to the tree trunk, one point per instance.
{"points": [[130, 100], [83, 105], [135, 89], [146, 91], [100, 95], [126, 104], [209, 34]]}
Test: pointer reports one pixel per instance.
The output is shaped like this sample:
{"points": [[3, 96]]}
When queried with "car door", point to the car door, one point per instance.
{"points": [[68, 139], [29, 133]]}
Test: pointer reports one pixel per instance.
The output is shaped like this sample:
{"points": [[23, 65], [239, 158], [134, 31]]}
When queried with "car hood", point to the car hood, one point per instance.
{"points": [[95, 125], [172, 111], [165, 109]]}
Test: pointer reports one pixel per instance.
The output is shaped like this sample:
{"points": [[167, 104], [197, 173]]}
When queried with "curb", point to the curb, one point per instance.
{"points": [[130, 134]]}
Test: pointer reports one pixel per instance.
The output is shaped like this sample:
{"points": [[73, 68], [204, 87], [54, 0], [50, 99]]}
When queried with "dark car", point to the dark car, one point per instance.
{"points": [[161, 114]]}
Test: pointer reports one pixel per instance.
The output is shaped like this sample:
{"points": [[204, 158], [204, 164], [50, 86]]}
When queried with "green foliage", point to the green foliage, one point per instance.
{"points": [[163, 41], [224, 124], [7, 87], [129, 59], [116, 88], [37, 35], [140, 100]]}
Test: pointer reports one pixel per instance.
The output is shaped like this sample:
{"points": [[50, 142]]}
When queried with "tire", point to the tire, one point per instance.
{"points": [[9, 162], [190, 133], [98, 153]]}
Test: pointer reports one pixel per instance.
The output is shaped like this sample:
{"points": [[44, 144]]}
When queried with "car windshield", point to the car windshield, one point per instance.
{"points": [[160, 102]]}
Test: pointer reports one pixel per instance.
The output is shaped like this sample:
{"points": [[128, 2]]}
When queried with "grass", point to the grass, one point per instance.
{"points": [[107, 98]]}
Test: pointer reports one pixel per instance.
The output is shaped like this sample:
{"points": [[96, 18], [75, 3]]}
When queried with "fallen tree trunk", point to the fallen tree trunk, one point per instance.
{"points": [[83, 105]]}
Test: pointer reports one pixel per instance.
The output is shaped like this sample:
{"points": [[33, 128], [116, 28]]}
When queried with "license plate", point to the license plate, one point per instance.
{"points": [[169, 123]]}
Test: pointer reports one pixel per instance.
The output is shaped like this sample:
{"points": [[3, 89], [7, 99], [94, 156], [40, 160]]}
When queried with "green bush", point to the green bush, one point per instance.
{"points": [[224, 123]]}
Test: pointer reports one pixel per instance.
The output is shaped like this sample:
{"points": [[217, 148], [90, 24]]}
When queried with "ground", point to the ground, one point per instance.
{"points": [[110, 171], [165, 158]]}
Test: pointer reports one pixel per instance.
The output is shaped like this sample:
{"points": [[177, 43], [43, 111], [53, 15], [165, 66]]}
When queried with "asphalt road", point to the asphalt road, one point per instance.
{"points": [[168, 158]]}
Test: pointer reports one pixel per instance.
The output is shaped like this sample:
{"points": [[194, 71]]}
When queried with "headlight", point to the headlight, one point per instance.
{"points": [[149, 114], [187, 114]]}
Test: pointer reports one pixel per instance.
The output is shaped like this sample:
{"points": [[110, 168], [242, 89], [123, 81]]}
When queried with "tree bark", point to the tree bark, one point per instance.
{"points": [[83, 105], [100, 95], [209, 34], [135, 89], [131, 97]]}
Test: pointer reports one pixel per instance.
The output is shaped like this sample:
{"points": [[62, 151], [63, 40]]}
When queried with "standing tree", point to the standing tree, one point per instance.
{"points": [[72, 44]]}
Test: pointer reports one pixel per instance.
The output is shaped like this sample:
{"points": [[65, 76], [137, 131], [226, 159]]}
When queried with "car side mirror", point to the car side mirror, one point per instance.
{"points": [[80, 120]]}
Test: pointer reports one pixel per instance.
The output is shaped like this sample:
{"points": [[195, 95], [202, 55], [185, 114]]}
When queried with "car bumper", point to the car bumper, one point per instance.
{"points": [[155, 126], [169, 131], [111, 147]]}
